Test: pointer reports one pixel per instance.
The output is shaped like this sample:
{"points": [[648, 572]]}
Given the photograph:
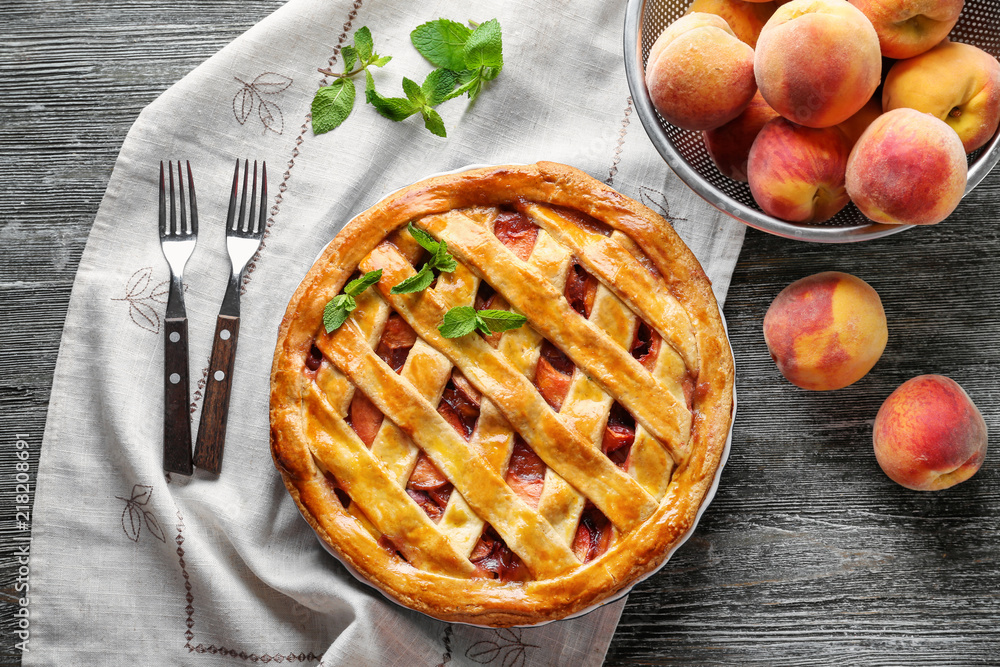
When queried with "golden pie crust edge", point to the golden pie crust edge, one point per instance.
{"points": [[487, 601]]}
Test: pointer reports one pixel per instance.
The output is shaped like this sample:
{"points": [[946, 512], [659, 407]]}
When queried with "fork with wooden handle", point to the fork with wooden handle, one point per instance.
{"points": [[243, 237], [177, 240]]}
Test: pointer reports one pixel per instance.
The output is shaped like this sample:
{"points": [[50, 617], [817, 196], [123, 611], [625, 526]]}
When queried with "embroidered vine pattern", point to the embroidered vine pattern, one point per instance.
{"points": [[507, 647], [199, 389], [134, 514], [446, 656], [213, 649], [617, 156], [142, 295], [255, 94], [657, 201]]}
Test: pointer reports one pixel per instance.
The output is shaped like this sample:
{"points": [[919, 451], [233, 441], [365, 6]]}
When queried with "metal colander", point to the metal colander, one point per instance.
{"points": [[685, 153]]}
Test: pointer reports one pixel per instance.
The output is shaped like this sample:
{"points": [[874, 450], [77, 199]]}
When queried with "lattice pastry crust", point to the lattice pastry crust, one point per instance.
{"points": [[515, 478]]}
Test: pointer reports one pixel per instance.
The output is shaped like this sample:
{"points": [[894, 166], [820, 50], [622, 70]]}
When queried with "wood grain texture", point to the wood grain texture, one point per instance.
{"points": [[176, 397], [215, 409], [73, 77], [808, 555]]}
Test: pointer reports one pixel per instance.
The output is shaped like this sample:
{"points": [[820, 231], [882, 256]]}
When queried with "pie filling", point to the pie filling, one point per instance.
{"points": [[520, 455], [460, 405]]}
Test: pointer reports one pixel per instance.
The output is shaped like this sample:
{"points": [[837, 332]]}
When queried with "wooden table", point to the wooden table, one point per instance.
{"points": [[808, 555]]}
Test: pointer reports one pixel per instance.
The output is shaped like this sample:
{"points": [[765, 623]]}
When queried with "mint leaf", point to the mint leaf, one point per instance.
{"points": [[350, 56], [413, 92], [415, 283], [426, 241], [458, 322], [499, 320], [332, 105], [393, 108], [359, 285], [484, 47], [345, 301], [442, 42], [364, 44], [338, 308], [437, 85], [489, 73], [433, 122], [381, 61], [336, 311], [333, 318], [468, 82], [442, 259]]}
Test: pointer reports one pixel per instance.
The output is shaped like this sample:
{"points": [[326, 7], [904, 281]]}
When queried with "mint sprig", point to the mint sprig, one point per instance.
{"points": [[333, 104], [465, 57], [474, 56], [337, 309], [420, 98], [463, 320], [440, 260]]}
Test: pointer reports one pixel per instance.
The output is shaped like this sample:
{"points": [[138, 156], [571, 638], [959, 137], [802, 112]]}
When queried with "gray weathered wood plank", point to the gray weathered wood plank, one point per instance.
{"points": [[808, 555]]}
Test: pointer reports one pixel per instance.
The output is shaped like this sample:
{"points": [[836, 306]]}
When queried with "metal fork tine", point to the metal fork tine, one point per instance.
{"points": [[263, 200], [251, 219], [183, 229], [163, 203], [173, 205], [194, 204], [232, 198], [241, 225]]}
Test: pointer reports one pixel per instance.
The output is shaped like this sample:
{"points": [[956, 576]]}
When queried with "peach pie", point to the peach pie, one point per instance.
{"points": [[502, 395]]}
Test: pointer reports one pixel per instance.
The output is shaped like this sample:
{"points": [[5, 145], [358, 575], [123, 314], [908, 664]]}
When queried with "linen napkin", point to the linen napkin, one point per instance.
{"points": [[130, 566]]}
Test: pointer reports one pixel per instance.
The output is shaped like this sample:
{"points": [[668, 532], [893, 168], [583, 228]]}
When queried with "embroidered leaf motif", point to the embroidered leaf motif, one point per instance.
{"points": [[133, 514], [134, 524], [141, 494], [657, 201], [483, 652], [270, 114], [141, 295], [153, 526], [144, 315], [271, 83], [243, 104], [160, 292], [507, 645], [138, 283], [251, 96]]}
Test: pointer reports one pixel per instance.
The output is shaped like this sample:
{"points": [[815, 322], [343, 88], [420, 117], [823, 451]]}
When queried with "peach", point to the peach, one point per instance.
{"points": [[745, 18], [826, 331], [856, 125], [929, 435], [796, 173], [729, 145], [699, 74], [907, 168], [958, 83], [817, 61], [907, 28]]}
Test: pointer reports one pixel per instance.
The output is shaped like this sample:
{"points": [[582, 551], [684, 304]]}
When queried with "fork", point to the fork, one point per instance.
{"points": [[243, 237], [177, 242]]}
